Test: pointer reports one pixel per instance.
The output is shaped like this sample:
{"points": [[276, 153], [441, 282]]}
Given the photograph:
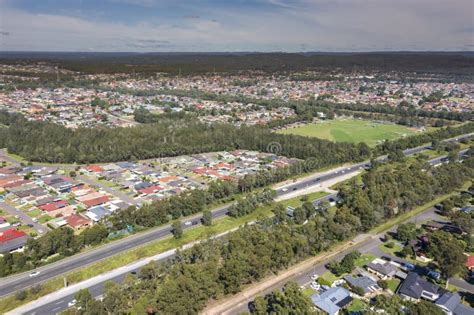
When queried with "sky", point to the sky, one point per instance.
{"points": [[236, 25]]}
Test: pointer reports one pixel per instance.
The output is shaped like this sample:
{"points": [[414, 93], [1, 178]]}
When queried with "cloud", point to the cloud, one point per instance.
{"points": [[292, 25], [4, 33]]}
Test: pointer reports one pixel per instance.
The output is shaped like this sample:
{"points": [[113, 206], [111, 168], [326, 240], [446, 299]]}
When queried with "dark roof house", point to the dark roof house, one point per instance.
{"points": [[450, 303], [365, 283], [415, 287]]}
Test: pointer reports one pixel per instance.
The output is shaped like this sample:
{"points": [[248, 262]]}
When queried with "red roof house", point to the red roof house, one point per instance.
{"points": [[77, 222], [470, 263], [11, 240], [94, 168], [96, 201]]}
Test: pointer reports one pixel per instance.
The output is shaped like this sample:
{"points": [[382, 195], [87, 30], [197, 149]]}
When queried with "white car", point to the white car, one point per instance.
{"points": [[72, 303], [188, 223], [284, 189], [34, 220], [34, 273], [314, 277]]}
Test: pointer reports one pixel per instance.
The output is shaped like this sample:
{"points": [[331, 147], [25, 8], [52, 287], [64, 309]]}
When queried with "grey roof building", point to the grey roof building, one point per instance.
{"points": [[384, 271], [415, 287], [332, 300], [365, 283], [450, 303]]}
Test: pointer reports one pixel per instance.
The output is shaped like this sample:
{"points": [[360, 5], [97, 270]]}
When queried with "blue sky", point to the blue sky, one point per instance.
{"points": [[236, 25]]}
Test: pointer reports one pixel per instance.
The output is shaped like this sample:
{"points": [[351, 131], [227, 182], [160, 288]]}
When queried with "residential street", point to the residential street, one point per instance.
{"points": [[26, 219], [113, 192], [301, 273]]}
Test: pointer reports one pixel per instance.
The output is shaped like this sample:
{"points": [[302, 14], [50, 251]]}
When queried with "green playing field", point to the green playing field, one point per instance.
{"points": [[351, 130]]}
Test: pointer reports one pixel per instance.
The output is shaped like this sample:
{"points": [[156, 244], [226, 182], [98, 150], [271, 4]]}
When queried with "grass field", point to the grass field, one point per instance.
{"points": [[351, 130]]}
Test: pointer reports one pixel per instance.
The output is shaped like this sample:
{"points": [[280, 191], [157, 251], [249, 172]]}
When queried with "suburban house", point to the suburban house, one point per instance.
{"points": [[366, 284], [11, 240], [77, 222], [97, 213], [383, 271], [332, 300], [415, 287], [470, 263], [451, 304]]}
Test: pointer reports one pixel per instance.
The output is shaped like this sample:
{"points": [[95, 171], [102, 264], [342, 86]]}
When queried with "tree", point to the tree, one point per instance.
{"points": [[207, 218], [396, 156], [447, 206], [21, 295], [406, 251], [464, 221], [406, 232], [424, 307], [453, 155], [177, 229], [299, 215], [383, 284], [280, 213], [84, 299], [448, 253]]}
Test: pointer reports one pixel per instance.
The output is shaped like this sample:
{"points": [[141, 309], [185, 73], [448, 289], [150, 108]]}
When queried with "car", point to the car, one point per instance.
{"points": [[386, 258], [295, 188], [434, 274], [30, 225], [284, 189], [188, 223], [314, 277], [72, 303], [133, 272], [34, 273], [34, 220], [195, 222], [315, 286], [408, 266], [338, 282]]}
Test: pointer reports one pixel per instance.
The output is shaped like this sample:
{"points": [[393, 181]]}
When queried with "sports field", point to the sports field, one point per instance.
{"points": [[351, 130]]}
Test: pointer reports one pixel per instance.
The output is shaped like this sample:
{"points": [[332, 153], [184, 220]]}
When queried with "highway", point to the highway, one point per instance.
{"points": [[17, 282], [59, 301]]}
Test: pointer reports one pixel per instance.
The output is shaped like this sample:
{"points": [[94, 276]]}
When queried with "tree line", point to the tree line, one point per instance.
{"points": [[48, 142], [224, 266]]}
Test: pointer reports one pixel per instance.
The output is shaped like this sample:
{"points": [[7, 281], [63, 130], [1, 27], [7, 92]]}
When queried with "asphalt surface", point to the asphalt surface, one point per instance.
{"points": [[14, 283], [124, 197], [371, 246], [26, 219], [96, 290]]}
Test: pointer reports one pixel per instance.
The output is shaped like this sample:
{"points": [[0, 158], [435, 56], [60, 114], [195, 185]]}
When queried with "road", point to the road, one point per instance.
{"points": [[58, 301], [17, 282], [113, 192], [303, 277], [26, 219]]}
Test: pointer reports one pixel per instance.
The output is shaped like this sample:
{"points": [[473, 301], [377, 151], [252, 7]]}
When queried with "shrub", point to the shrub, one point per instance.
{"points": [[21, 295]]}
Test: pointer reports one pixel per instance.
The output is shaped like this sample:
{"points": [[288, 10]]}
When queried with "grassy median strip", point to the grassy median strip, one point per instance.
{"points": [[199, 233]]}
